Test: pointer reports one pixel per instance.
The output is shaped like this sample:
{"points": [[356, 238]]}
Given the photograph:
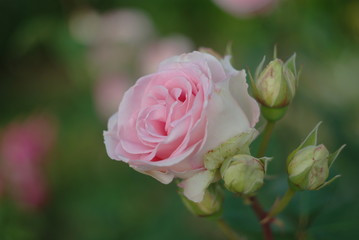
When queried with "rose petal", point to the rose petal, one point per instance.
{"points": [[239, 90], [195, 186]]}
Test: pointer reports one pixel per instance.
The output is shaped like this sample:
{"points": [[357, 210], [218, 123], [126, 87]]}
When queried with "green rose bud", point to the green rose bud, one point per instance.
{"points": [[308, 165], [210, 206], [274, 87], [243, 173]]}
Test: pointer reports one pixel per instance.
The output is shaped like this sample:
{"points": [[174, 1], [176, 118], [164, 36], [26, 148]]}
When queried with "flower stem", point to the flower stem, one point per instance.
{"points": [[256, 206], [261, 214], [279, 205], [227, 230], [265, 140]]}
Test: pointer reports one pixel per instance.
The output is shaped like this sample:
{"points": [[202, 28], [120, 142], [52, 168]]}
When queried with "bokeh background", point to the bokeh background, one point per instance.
{"points": [[64, 66]]}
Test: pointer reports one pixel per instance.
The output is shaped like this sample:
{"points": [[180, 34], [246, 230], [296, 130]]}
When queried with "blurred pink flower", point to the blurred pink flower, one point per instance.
{"points": [[84, 26], [23, 148], [163, 49], [108, 93], [1, 187], [125, 26], [122, 26], [104, 59], [243, 8]]}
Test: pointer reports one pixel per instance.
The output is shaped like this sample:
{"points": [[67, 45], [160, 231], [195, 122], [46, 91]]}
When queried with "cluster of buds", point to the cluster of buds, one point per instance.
{"points": [[274, 86], [240, 172], [308, 165]]}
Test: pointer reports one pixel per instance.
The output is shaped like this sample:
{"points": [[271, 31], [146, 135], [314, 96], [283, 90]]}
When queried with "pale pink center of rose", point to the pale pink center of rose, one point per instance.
{"points": [[171, 107]]}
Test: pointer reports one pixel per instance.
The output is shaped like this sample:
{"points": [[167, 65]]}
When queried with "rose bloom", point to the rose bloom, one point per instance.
{"points": [[246, 7], [169, 119]]}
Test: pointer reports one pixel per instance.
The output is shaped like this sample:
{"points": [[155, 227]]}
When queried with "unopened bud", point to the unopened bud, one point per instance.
{"points": [[243, 173], [274, 87], [308, 165], [210, 206]]}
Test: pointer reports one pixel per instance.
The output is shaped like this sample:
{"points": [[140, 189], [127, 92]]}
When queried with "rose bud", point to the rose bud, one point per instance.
{"points": [[211, 204], [274, 87], [308, 165], [169, 120], [243, 173]]}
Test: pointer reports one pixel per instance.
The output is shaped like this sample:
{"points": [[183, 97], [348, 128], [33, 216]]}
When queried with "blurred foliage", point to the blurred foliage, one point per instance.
{"points": [[43, 68]]}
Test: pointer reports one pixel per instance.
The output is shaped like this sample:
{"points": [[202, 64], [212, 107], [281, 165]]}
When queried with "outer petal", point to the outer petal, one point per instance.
{"points": [[111, 138], [226, 119], [204, 61], [239, 90], [163, 177], [195, 186]]}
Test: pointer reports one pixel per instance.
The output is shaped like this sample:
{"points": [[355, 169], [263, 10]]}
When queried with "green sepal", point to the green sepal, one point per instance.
{"points": [[260, 68], [334, 155], [328, 182], [210, 208], [290, 64], [253, 85], [265, 161], [302, 178], [275, 52], [236, 145], [311, 139], [228, 50]]}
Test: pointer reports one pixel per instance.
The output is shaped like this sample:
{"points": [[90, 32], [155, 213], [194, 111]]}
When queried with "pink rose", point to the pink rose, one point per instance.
{"points": [[169, 119]]}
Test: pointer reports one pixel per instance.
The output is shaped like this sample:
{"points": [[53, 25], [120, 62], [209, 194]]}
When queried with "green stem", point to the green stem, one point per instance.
{"points": [[256, 206], [280, 205], [227, 230], [265, 140]]}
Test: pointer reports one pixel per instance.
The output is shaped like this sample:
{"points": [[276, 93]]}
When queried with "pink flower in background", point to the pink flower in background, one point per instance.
{"points": [[84, 26], [168, 120], [108, 93], [164, 48], [245, 7], [23, 148], [126, 26], [2, 187], [113, 38]]}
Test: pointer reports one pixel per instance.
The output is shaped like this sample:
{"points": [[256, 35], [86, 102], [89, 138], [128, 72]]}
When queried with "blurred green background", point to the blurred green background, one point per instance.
{"points": [[50, 62]]}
